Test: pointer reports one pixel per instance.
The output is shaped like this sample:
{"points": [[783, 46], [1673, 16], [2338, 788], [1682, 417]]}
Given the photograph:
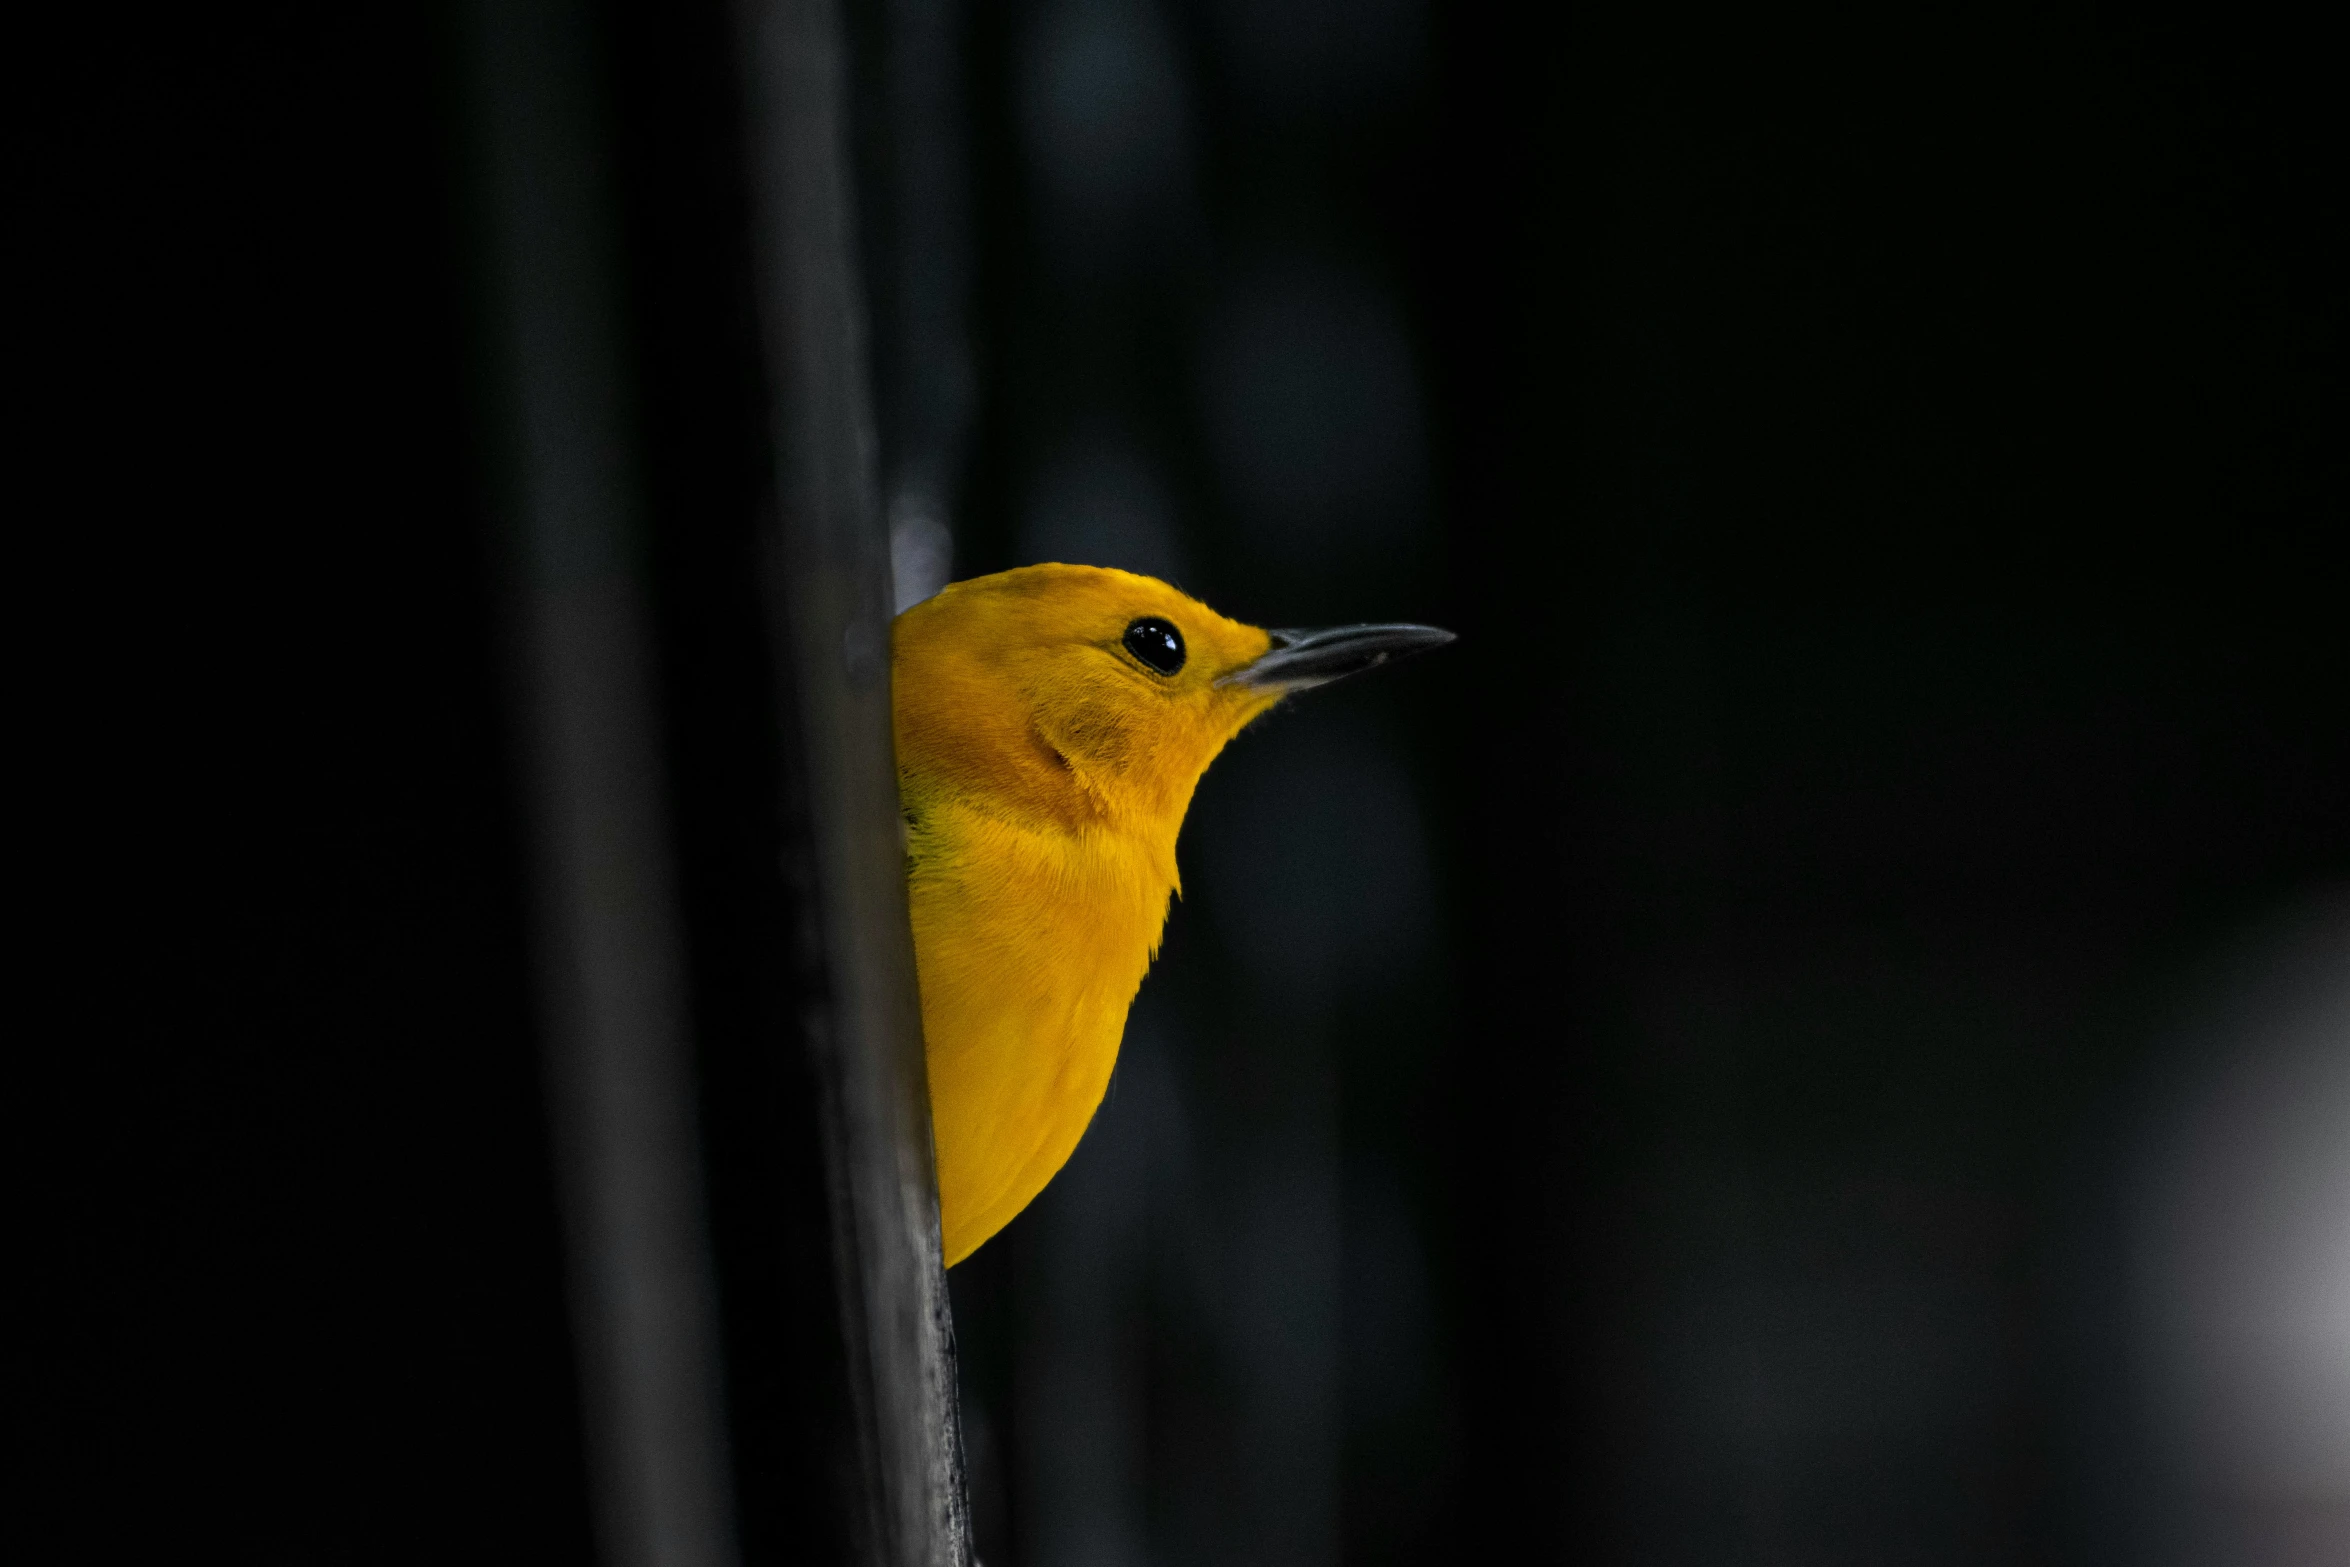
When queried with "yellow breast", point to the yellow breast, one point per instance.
{"points": [[1031, 944]]}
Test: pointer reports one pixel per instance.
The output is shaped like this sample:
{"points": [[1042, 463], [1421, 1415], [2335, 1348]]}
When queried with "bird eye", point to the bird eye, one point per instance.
{"points": [[1156, 643]]}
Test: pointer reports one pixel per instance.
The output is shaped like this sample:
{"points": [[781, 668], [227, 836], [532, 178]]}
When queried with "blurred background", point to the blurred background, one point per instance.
{"points": [[1693, 1074], [1819, 1032]]}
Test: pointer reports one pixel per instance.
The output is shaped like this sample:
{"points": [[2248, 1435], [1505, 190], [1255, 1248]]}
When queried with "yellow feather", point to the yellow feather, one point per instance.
{"points": [[1044, 772]]}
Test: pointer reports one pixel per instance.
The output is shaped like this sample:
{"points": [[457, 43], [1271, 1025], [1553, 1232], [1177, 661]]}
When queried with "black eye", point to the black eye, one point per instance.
{"points": [[1156, 643]]}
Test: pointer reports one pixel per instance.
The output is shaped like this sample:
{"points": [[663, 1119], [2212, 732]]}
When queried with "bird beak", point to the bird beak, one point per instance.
{"points": [[1302, 659]]}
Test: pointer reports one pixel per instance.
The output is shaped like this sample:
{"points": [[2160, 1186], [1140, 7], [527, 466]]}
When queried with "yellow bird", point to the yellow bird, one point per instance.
{"points": [[1052, 723]]}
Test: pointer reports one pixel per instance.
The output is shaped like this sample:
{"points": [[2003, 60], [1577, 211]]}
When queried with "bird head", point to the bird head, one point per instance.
{"points": [[1095, 697]]}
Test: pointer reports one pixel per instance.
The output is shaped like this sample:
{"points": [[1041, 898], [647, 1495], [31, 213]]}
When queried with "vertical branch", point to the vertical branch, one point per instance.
{"points": [[610, 943], [831, 571], [703, 651]]}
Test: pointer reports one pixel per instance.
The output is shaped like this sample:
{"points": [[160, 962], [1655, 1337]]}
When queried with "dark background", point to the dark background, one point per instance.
{"points": [[1882, 468]]}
